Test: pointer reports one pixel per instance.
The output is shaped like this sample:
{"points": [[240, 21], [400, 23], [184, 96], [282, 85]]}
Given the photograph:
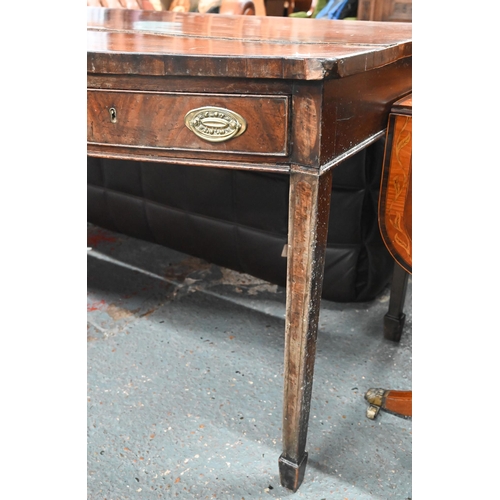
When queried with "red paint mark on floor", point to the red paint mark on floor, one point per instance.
{"points": [[97, 236], [96, 306]]}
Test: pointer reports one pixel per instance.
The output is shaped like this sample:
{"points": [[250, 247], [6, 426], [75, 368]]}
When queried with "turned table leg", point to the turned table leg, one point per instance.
{"points": [[307, 231]]}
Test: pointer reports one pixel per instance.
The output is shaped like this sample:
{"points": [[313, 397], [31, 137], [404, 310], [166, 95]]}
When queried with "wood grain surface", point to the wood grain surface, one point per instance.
{"points": [[156, 120], [395, 204], [311, 92], [169, 43]]}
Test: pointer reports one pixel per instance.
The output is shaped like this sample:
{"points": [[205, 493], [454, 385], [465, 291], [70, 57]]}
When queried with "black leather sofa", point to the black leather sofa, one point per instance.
{"points": [[239, 219]]}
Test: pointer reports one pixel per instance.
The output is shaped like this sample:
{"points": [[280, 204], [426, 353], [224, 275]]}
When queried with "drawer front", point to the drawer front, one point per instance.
{"points": [[246, 124]]}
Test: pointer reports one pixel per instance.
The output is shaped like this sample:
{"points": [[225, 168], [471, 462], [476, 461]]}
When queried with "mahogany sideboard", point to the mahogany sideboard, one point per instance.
{"points": [[257, 93]]}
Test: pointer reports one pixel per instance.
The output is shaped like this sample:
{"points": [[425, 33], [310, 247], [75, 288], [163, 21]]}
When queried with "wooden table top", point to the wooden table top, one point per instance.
{"points": [[168, 43]]}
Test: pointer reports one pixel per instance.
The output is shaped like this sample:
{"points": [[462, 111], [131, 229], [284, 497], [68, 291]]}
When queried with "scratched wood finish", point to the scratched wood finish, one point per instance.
{"points": [[169, 43], [307, 233], [328, 112], [395, 203], [156, 120], [306, 117], [347, 119], [339, 78], [189, 84], [218, 156]]}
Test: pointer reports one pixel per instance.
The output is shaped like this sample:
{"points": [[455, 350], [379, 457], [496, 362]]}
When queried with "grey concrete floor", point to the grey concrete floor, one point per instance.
{"points": [[185, 378]]}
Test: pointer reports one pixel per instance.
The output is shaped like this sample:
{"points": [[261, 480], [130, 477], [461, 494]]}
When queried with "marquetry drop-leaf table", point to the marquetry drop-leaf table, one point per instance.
{"points": [[270, 94]]}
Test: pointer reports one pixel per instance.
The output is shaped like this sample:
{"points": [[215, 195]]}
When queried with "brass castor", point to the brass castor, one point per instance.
{"points": [[398, 403]]}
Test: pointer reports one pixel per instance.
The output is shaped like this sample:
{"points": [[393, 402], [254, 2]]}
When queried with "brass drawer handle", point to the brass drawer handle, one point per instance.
{"points": [[215, 124]]}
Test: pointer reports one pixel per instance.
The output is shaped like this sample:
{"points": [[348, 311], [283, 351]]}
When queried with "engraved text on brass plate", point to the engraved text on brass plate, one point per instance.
{"points": [[215, 124]]}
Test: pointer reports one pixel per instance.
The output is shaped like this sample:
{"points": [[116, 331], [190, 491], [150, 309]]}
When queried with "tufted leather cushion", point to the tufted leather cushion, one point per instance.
{"points": [[239, 219]]}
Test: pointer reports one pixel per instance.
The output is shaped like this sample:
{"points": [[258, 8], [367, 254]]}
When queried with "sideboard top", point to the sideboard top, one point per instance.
{"points": [[170, 43]]}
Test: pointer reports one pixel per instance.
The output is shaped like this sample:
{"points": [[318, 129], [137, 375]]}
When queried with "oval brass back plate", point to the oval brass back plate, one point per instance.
{"points": [[215, 124]]}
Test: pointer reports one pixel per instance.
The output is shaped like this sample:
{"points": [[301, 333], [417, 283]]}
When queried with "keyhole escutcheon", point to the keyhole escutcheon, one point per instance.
{"points": [[112, 115]]}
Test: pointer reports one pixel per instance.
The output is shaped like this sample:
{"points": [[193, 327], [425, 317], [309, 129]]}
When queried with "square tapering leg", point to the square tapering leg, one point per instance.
{"points": [[292, 474], [394, 320], [307, 231]]}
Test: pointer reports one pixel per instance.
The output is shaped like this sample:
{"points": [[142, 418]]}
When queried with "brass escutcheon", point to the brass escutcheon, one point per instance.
{"points": [[112, 115], [215, 124]]}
